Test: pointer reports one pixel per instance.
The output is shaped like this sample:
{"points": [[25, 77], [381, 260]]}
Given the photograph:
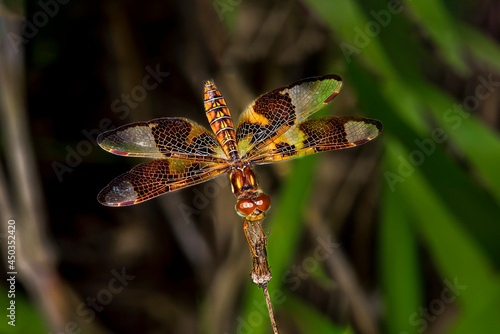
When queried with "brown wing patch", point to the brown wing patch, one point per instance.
{"points": [[268, 117]]}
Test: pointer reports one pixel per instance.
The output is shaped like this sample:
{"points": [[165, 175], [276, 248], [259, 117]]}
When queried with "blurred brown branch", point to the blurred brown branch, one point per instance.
{"points": [[35, 259]]}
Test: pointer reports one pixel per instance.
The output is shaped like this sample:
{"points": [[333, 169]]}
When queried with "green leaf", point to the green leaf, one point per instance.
{"points": [[435, 19], [479, 143], [447, 241], [347, 19], [476, 208], [483, 317], [401, 282]]}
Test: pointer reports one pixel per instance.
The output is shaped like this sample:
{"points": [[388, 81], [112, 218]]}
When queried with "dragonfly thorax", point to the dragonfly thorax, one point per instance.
{"points": [[242, 180]]}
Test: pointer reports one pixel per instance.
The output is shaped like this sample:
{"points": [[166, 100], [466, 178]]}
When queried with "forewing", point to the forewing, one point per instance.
{"points": [[177, 138], [273, 113], [154, 178], [318, 135]]}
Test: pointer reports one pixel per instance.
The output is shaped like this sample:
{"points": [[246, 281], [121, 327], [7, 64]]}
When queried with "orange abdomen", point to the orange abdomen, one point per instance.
{"points": [[220, 120]]}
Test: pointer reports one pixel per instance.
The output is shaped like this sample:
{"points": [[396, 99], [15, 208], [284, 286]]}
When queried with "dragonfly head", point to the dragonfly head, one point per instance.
{"points": [[253, 208]]}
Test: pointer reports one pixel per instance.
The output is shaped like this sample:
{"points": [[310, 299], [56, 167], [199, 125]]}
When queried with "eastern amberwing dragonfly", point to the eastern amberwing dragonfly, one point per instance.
{"points": [[275, 127]]}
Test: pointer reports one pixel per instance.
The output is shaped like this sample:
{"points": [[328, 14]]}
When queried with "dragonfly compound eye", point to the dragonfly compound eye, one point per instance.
{"points": [[245, 207], [263, 202]]}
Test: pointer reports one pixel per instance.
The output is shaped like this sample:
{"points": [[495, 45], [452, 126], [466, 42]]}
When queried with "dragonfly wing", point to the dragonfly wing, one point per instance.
{"points": [[318, 135], [177, 138], [273, 113], [154, 178]]}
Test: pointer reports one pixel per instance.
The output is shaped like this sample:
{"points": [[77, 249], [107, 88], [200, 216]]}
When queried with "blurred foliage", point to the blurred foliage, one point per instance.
{"points": [[440, 171], [425, 69]]}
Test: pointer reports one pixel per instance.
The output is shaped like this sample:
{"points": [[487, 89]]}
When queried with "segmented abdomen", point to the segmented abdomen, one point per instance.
{"points": [[220, 120]]}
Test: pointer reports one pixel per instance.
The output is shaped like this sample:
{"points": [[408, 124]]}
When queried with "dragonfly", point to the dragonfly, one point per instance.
{"points": [[275, 127]]}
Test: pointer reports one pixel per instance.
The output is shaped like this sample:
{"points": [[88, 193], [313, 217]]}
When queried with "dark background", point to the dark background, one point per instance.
{"points": [[397, 236]]}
